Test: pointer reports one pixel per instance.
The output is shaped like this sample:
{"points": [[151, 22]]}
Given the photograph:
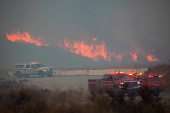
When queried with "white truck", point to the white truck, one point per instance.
{"points": [[33, 68]]}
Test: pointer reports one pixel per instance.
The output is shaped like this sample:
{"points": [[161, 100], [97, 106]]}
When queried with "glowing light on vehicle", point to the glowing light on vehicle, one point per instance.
{"points": [[122, 72], [150, 76], [111, 73], [164, 82], [159, 84], [148, 83], [121, 83], [140, 73], [155, 75], [160, 75], [130, 74]]}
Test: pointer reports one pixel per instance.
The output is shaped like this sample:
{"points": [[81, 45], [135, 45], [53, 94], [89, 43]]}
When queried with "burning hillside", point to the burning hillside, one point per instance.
{"points": [[95, 50], [26, 38]]}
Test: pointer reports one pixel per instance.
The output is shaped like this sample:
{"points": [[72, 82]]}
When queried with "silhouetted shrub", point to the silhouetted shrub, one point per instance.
{"points": [[36, 100], [147, 94]]}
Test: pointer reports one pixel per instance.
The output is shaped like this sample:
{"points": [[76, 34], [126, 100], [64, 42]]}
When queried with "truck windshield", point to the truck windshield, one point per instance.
{"points": [[121, 77], [39, 65], [156, 78]]}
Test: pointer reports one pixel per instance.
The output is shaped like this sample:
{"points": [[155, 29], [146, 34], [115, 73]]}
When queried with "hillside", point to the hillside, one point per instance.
{"points": [[163, 70]]}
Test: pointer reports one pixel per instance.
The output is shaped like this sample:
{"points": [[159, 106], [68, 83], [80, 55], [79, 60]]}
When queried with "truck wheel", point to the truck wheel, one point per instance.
{"points": [[115, 89], [18, 74], [27, 76], [156, 93], [49, 75], [41, 74]]}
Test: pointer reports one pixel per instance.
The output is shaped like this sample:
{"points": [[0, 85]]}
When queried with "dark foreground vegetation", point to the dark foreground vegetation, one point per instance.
{"points": [[16, 98]]}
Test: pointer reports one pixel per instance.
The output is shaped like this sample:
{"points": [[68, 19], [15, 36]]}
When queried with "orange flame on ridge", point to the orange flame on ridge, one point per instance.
{"points": [[134, 56], [92, 51], [153, 50], [25, 37], [94, 39], [151, 58]]}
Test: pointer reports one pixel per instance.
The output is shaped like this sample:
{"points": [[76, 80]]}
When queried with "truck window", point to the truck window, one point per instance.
{"points": [[19, 66], [121, 77], [28, 66], [106, 77], [39, 65], [110, 78], [156, 78], [144, 78], [33, 66]]}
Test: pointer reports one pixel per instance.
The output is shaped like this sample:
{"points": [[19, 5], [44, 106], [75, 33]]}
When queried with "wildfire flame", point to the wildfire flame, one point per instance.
{"points": [[134, 56], [93, 51], [25, 37], [153, 50], [94, 39], [151, 58]]}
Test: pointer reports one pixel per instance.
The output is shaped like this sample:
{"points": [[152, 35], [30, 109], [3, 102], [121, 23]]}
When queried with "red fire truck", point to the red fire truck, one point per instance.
{"points": [[115, 81], [153, 81]]}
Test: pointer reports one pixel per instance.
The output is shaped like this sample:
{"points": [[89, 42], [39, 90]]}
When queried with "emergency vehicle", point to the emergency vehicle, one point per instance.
{"points": [[135, 76], [33, 68], [115, 81], [153, 81]]}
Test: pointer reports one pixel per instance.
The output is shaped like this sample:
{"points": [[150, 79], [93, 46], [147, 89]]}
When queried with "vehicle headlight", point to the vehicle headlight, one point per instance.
{"points": [[44, 70], [138, 83], [121, 83]]}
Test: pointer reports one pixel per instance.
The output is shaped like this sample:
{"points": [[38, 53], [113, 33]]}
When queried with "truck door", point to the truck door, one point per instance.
{"points": [[107, 82], [110, 82], [20, 68], [105, 78], [28, 70], [33, 68], [144, 81]]}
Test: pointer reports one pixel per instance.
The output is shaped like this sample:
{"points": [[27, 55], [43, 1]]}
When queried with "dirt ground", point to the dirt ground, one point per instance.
{"points": [[63, 82]]}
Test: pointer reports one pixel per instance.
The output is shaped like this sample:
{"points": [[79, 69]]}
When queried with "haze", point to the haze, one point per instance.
{"points": [[140, 27]]}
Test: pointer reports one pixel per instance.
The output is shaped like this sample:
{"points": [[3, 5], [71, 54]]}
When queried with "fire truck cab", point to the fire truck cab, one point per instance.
{"points": [[33, 68], [114, 81], [153, 81]]}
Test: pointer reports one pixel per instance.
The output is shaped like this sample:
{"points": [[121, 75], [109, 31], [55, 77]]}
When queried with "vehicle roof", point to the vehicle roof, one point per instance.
{"points": [[116, 74], [22, 63], [25, 63]]}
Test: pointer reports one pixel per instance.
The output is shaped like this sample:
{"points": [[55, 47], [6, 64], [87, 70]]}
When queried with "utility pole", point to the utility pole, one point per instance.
{"points": [[136, 67]]}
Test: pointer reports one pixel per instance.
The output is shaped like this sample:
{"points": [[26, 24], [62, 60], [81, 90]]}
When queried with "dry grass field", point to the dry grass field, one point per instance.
{"points": [[69, 94], [64, 83]]}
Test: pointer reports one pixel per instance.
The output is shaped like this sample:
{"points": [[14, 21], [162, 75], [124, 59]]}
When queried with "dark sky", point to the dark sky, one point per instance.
{"points": [[125, 26]]}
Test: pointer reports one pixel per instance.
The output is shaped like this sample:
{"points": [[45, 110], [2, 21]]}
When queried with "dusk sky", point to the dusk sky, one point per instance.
{"points": [[122, 29]]}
